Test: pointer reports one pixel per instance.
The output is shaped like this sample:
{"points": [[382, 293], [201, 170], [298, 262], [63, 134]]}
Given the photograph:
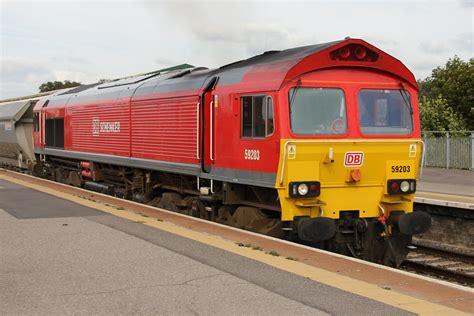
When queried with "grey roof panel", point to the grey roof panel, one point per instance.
{"points": [[14, 111]]}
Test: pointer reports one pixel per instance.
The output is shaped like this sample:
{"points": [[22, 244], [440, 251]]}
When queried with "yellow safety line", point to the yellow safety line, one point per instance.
{"points": [[361, 288], [445, 197]]}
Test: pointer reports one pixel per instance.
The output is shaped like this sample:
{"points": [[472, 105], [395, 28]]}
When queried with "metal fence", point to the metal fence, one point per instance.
{"points": [[449, 149]]}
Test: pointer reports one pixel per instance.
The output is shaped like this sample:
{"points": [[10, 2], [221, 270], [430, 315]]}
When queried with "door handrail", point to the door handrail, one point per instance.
{"points": [[211, 129], [197, 130]]}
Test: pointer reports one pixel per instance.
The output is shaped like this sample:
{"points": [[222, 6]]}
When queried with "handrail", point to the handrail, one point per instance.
{"points": [[211, 129], [420, 172], [197, 130]]}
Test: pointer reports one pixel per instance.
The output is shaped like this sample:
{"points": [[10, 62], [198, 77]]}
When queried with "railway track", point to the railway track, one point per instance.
{"points": [[441, 263]]}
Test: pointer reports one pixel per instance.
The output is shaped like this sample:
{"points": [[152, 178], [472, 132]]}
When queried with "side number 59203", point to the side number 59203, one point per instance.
{"points": [[252, 154]]}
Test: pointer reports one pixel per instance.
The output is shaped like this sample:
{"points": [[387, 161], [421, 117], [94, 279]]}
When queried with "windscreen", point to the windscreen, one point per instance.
{"points": [[317, 111], [385, 112]]}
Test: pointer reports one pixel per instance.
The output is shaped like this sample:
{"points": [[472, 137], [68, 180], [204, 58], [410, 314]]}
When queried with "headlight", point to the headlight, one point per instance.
{"points": [[404, 186], [401, 186], [302, 189]]}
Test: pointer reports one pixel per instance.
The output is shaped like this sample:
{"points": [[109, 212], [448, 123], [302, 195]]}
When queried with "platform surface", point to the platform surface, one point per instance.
{"points": [[447, 181], [61, 257]]}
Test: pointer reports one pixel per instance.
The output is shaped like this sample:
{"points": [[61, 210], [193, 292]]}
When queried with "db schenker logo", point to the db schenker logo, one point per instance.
{"points": [[353, 158], [99, 127]]}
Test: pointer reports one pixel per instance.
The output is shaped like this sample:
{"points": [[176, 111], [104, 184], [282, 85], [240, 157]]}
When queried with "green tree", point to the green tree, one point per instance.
{"points": [[437, 115], [55, 85], [453, 83]]}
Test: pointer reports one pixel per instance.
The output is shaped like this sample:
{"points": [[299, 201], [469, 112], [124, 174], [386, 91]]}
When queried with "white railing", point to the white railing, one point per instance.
{"points": [[448, 149]]}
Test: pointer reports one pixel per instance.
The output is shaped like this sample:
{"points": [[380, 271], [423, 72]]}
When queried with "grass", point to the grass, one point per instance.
{"points": [[140, 222], [248, 245], [273, 253]]}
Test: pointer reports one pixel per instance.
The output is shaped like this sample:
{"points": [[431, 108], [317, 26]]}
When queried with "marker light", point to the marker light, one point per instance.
{"points": [[354, 52], [344, 52], [360, 52], [302, 189], [394, 186], [313, 188]]}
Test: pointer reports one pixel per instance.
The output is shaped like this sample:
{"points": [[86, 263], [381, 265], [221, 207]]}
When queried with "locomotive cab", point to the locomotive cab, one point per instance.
{"points": [[350, 160]]}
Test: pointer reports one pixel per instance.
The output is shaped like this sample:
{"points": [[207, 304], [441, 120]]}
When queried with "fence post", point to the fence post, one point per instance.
{"points": [[472, 151], [423, 139], [447, 150]]}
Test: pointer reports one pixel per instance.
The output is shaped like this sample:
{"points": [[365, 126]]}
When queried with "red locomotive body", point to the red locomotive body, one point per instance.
{"points": [[225, 136]]}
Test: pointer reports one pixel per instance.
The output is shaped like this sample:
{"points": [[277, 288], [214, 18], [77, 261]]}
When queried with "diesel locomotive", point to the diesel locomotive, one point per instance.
{"points": [[319, 144]]}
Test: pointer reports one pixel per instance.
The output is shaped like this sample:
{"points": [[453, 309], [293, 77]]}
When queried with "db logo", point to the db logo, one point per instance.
{"points": [[354, 158]]}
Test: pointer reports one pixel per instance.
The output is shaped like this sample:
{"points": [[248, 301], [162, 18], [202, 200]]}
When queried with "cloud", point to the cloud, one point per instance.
{"points": [[425, 66], [71, 60], [95, 43], [463, 42], [22, 76], [466, 3], [242, 28], [21, 69], [434, 48], [254, 38]]}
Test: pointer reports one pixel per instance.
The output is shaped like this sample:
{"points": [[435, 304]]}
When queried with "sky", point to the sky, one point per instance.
{"points": [[87, 41]]}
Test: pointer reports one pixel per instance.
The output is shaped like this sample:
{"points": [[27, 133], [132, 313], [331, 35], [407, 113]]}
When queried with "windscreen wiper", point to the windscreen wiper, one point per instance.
{"points": [[293, 94], [406, 97]]}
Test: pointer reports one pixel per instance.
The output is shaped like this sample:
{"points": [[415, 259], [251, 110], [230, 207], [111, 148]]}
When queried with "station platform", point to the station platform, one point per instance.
{"points": [[447, 181], [65, 250], [446, 187]]}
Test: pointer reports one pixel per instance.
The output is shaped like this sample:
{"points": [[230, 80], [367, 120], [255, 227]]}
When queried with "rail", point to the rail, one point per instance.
{"points": [[442, 264]]}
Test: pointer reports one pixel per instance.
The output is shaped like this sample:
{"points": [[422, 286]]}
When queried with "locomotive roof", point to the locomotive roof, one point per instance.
{"points": [[234, 73], [269, 70], [264, 72], [293, 54]]}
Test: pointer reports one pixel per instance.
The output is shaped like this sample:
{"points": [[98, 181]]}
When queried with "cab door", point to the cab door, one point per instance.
{"points": [[42, 126], [208, 141]]}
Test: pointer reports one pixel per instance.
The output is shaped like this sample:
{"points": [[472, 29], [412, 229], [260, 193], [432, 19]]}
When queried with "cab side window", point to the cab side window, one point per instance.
{"points": [[36, 121], [257, 116]]}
